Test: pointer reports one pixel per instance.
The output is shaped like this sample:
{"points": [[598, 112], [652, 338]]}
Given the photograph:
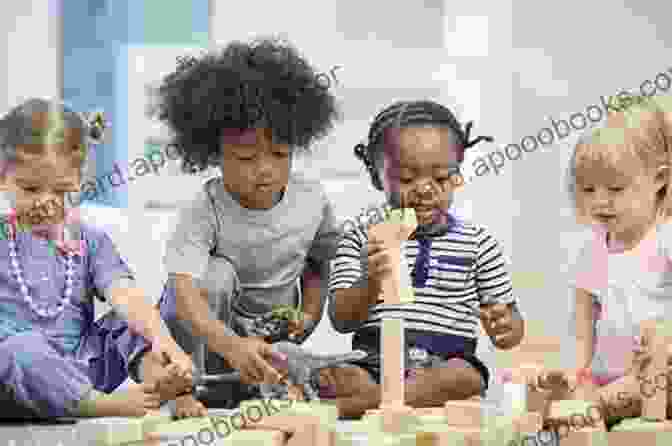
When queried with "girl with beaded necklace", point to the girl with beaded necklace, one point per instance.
{"points": [[55, 360]]}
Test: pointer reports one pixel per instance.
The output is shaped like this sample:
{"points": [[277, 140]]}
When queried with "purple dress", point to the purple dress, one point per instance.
{"points": [[48, 365]]}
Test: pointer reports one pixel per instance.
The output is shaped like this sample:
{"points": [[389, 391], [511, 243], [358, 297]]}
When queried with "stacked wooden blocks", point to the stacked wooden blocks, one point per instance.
{"points": [[651, 428]]}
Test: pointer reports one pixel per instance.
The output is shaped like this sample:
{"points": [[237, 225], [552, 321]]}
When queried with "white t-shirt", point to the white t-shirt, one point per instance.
{"points": [[628, 288]]}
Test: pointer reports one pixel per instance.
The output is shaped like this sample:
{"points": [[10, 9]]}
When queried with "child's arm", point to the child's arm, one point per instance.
{"points": [[114, 281], [351, 291], [248, 355], [145, 319], [192, 308], [316, 272], [584, 328], [499, 312]]}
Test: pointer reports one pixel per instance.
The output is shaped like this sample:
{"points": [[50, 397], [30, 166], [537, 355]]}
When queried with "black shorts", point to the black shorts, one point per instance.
{"points": [[439, 352]]}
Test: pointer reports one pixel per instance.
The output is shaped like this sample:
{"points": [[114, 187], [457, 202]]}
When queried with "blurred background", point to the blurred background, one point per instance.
{"points": [[510, 66]]}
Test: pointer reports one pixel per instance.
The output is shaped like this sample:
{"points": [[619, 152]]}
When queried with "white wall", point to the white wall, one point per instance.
{"points": [[508, 65]]}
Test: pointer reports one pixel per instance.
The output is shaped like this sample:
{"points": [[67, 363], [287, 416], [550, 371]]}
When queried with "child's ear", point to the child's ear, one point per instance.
{"points": [[662, 177]]}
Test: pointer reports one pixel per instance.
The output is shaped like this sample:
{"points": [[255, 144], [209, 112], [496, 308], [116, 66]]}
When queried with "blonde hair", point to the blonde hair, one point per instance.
{"points": [[640, 128]]}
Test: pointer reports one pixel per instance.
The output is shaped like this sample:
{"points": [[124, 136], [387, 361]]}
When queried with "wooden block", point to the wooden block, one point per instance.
{"points": [[392, 363], [395, 419], [327, 412], [586, 437], [406, 421], [637, 431], [567, 408], [305, 429], [186, 428], [528, 423], [109, 431], [464, 413], [312, 433], [449, 436], [256, 437], [153, 420]]}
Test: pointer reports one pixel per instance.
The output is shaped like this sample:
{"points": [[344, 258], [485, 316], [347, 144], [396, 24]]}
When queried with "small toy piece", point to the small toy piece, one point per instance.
{"points": [[275, 325]]}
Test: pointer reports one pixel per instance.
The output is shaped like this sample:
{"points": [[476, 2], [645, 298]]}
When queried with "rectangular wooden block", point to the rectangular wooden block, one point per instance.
{"points": [[326, 412], [110, 431], [528, 423], [392, 362], [567, 408], [396, 419], [449, 436], [404, 217], [586, 437], [180, 429], [255, 438], [464, 413], [630, 438]]}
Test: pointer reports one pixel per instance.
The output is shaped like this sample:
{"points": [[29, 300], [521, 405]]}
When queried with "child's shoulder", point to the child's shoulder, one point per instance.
{"points": [[469, 228], [303, 184]]}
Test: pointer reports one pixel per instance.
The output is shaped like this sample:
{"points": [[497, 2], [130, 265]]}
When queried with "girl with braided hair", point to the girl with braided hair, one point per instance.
{"points": [[413, 155]]}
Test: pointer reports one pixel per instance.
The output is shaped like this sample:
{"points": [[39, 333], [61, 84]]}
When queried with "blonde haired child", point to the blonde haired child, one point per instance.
{"points": [[620, 183], [55, 359]]}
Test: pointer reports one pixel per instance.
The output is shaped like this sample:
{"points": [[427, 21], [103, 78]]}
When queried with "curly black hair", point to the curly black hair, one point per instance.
{"points": [[405, 114], [264, 83]]}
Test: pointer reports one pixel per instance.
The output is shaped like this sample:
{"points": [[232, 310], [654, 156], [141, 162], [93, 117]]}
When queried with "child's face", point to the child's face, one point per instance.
{"points": [[623, 201], [421, 165], [254, 168], [44, 171]]}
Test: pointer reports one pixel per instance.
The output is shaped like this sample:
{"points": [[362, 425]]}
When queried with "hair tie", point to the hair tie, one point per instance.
{"points": [[467, 135], [97, 126], [185, 62], [362, 153]]}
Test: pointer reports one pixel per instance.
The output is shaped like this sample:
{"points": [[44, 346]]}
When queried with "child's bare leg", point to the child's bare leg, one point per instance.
{"points": [[430, 387], [133, 402]]}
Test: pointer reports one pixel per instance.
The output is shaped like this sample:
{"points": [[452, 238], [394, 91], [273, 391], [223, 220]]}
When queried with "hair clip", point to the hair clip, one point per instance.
{"points": [[97, 126], [467, 135], [185, 62]]}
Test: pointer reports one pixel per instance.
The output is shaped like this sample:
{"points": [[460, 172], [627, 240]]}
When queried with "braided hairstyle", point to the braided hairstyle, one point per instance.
{"points": [[406, 114]]}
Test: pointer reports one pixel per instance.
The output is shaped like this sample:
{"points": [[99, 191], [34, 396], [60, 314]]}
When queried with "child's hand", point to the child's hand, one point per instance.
{"points": [[381, 259], [497, 319], [180, 362], [249, 356], [171, 355], [562, 384]]}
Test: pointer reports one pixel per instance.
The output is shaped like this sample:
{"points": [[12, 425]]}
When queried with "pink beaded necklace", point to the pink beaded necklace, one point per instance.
{"points": [[42, 309]]}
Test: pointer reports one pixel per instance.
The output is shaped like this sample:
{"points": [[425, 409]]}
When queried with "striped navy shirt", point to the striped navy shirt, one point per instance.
{"points": [[466, 269]]}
